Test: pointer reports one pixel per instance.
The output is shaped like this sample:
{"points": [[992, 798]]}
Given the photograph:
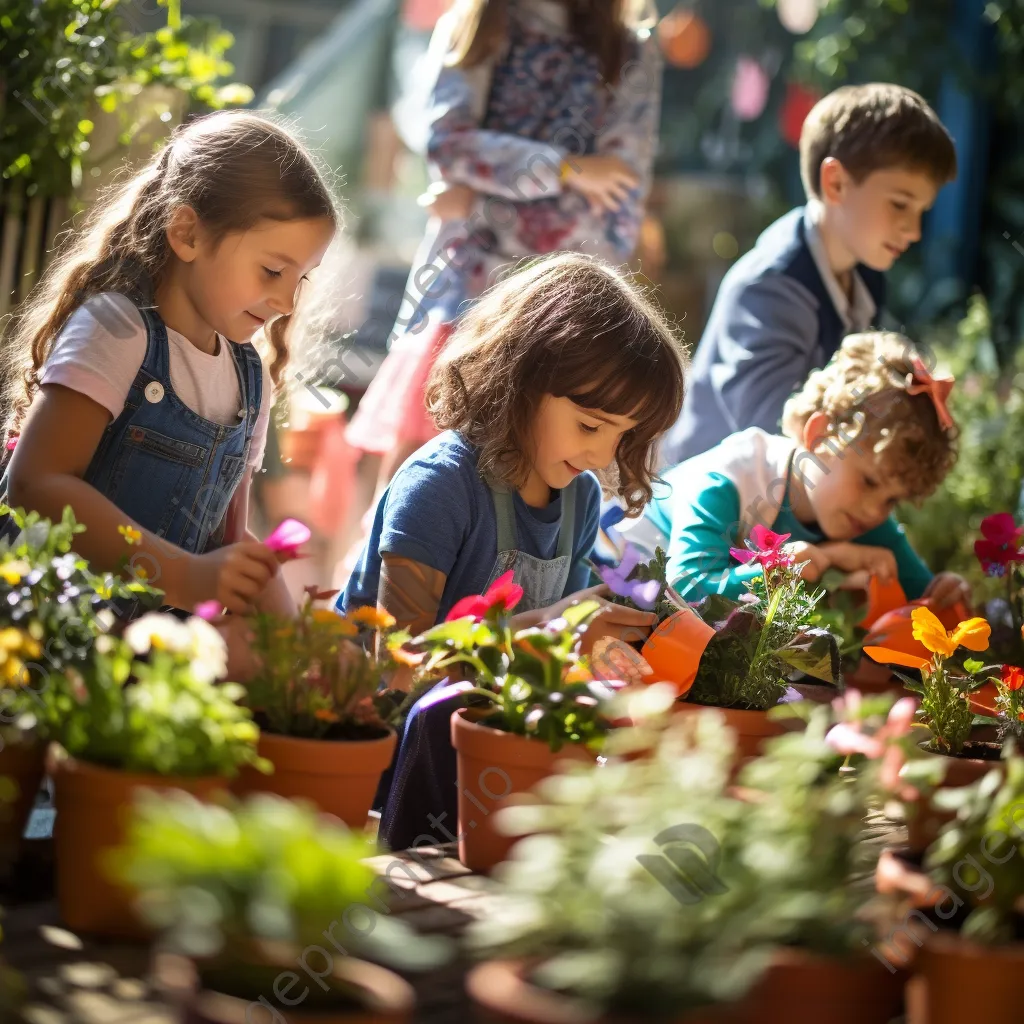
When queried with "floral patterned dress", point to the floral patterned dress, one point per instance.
{"points": [[503, 128]]}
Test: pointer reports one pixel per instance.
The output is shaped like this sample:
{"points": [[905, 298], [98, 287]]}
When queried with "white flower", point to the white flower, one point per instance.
{"points": [[208, 649], [164, 632]]}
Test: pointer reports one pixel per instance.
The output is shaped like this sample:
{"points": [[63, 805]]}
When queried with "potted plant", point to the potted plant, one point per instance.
{"points": [[760, 642], [534, 703], [652, 889], [142, 710], [273, 906], [313, 697], [973, 879], [51, 610]]}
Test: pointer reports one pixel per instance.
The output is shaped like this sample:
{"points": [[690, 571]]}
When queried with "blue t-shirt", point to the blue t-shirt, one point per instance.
{"points": [[438, 511]]}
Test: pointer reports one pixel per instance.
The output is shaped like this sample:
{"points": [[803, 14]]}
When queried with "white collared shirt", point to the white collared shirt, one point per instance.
{"points": [[856, 315]]}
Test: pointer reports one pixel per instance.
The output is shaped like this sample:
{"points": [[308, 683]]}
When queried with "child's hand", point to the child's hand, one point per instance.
{"points": [[850, 557], [947, 588], [612, 620], [604, 181], [235, 575], [816, 559], [238, 635]]}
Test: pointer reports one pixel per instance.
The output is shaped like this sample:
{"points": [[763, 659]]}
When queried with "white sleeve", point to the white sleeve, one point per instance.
{"points": [[259, 433], [99, 351]]}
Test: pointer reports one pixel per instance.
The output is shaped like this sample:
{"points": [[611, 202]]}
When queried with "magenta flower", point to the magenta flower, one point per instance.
{"points": [[1000, 546], [766, 547], [503, 594], [288, 537], [644, 594]]}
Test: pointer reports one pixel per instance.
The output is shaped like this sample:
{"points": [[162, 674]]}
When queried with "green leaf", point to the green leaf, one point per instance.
{"points": [[973, 665], [579, 613]]}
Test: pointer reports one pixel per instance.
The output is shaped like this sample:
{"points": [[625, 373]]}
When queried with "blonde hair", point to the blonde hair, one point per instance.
{"points": [[863, 392], [564, 325], [233, 168]]}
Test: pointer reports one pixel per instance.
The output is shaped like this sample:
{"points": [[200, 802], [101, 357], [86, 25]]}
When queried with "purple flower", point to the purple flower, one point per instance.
{"points": [[644, 594]]}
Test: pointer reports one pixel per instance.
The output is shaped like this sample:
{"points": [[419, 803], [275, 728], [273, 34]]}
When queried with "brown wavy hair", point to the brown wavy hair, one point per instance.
{"points": [[569, 326], [233, 168], [602, 26], [863, 390]]}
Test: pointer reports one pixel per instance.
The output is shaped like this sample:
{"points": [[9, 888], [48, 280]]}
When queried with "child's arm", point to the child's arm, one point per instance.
{"points": [[914, 576], [704, 521], [60, 437], [767, 339]]}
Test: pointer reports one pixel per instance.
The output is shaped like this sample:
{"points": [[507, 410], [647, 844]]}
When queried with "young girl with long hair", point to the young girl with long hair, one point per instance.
{"points": [[135, 394]]}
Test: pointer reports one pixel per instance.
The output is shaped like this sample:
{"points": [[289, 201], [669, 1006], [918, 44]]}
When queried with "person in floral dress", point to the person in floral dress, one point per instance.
{"points": [[542, 129]]}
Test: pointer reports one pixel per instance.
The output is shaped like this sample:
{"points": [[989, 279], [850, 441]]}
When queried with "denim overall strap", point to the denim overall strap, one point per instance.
{"points": [[508, 535]]}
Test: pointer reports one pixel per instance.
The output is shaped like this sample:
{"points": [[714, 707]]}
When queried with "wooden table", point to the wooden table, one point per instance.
{"points": [[72, 979]]}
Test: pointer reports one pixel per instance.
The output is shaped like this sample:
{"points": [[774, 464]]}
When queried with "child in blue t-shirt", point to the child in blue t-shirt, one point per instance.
{"points": [[562, 369], [868, 431]]}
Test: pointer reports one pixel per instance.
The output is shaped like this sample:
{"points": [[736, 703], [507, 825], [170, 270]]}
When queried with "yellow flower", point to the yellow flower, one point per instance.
{"points": [[329, 617], [325, 715], [13, 572], [371, 617], [11, 638], [130, 534], [141, 574], [972, 633]]}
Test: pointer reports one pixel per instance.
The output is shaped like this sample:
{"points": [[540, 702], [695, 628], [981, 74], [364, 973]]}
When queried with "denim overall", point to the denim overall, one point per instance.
{"points": [[418, 791], [167, 468]]}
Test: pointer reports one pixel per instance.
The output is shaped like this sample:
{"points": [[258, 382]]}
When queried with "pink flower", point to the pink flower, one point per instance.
{"points": [[766, 547], [208, 610], [289, 536], [503, 593]]}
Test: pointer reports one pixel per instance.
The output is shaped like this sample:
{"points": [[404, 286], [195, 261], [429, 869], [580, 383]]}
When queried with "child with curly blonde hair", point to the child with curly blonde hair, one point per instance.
{"points": [[865, 433]]}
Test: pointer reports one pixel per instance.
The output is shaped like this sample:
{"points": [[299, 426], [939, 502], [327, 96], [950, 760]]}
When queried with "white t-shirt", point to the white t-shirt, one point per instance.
{"points": [[102, 346]]}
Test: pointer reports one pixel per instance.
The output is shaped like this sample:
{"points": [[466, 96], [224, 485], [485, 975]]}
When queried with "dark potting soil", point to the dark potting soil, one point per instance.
{"points": [[339, 732], [973, 750]]}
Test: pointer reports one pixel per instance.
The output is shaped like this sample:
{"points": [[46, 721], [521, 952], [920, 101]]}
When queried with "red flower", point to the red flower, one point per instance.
{"points": [[764, 546], [1013, 677], [503, 593], [796, 106], [1001, 544]]}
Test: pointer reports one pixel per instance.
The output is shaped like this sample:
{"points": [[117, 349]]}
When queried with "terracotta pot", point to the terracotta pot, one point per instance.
{"points": [[339, 776], [21, 761], [92, 806], [753, 728], [492, 766], [958, 981], [380, 996], [674, 649], [923, 819], [870, 677], [502, 996], [804, 988]]}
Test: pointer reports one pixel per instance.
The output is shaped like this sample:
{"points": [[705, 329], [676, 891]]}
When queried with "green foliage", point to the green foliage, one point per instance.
{"points": [[582, 896], [945, 693], [229, 884], [312, 680], [985, 834], [164, 715], [59, 57], [538, 684]]}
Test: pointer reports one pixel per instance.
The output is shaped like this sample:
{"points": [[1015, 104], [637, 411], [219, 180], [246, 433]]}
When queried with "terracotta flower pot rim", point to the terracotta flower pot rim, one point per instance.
{"points": [[948, 943], [485, 742], [327, 757], [102, 784], [752, 722]]}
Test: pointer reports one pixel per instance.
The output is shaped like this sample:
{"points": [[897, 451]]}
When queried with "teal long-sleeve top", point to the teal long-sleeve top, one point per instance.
{"points": [[699, 513]]}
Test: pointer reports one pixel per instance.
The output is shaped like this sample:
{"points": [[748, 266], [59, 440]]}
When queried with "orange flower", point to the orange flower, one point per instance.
{"points": [[329, 617], [972, 633], [325, 715], [410, 659], [371, 617]]}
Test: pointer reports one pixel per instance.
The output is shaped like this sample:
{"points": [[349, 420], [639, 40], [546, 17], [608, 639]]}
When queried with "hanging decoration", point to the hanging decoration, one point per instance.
{"points": [[798, 16], [797, 104], [685, 38], [750, 87]]}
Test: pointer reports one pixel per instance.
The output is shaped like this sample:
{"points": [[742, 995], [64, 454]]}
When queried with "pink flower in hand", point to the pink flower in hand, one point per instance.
{"points": [[288, 537]]}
